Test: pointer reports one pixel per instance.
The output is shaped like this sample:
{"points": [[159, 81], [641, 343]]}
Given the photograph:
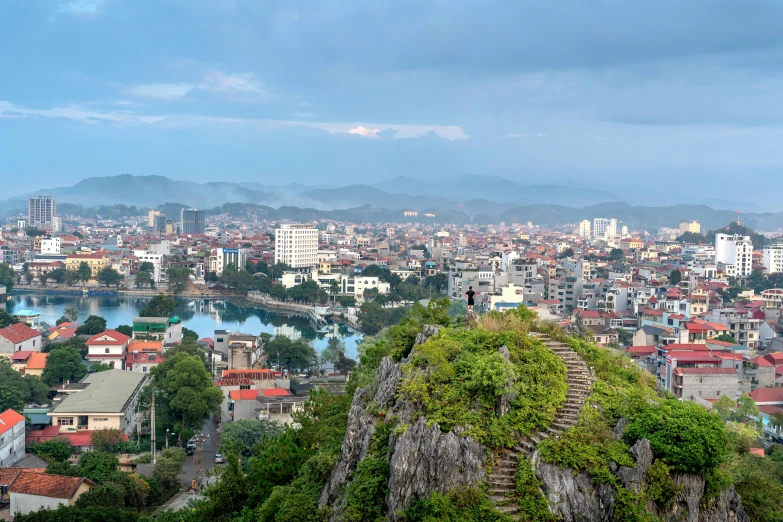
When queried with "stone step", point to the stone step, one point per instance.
{"points": [[501, 489], [502, 481], [508, 509], [504, 472], [498, 499], [563, 424]]}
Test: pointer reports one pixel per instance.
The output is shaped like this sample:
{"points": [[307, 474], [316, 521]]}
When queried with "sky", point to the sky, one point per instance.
{"points": [[666, 96]]}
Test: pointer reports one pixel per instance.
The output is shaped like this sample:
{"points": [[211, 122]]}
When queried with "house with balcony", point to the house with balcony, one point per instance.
{"points": [[107, 400], [19, 337], [743, 326], [109, 347], [165, 329]]}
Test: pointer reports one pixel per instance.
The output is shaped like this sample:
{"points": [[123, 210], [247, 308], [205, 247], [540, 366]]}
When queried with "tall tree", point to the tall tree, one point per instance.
{"points": [[84, 273], [178, 278], [71, 313], [64, 363], [161, 305], [10, 398], [109, 276], [7, 276], [675, 276], [92, 326], [183, 383], [7, 319]]}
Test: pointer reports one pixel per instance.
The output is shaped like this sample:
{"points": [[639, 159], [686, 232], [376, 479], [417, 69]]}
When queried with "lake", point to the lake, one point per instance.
{"points": [[203, 316]]}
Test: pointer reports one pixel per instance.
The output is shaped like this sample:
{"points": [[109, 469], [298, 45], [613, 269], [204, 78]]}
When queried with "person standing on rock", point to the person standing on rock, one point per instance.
{"points": [[470, 294]]}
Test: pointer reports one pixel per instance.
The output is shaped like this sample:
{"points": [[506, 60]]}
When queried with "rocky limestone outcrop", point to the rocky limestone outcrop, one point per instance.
{"points": [[422, 459], [574, 497], [361, 426]]}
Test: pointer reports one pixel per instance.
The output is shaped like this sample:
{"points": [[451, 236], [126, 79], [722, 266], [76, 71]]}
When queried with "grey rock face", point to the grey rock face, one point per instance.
{"points": [[428, 332], [574, 497], [424, 460], [361, 426]]}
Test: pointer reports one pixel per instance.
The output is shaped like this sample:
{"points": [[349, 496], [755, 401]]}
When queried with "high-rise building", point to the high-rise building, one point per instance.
{"points": [[584, 228], [611, 230], [220, 258], [773, 258], [690, 226], [599, 227], [159, 223], [734, 254], [151, 215], [40, 211], [191, 221], [296, 245], [57, 224]]}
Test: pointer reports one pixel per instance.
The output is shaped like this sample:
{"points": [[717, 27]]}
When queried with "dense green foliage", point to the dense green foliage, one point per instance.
{"points": [[64, 363], [161, 305], [687, 437], [456, 378], [296, 355], [245, 434], [93, 325], [30, 388], [459, 505]]}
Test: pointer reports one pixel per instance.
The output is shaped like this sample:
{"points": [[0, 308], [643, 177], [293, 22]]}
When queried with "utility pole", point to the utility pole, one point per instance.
{"points": [[152, 429], [198, 460]]}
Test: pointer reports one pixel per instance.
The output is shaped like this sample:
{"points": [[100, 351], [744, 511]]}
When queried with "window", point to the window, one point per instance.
{"points": [[100, 419], [65, 421], [244, 386]]}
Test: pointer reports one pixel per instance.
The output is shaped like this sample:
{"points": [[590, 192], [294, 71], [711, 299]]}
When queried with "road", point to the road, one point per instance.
{"points": [[188, 473]]}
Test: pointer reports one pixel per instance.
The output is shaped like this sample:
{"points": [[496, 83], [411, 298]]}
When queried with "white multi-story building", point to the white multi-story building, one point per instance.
{"points": [[296, 245], [40, 211], [57, 224], [734, 254], [584, 228], [50, 245], [600, 226], [12, 447], [611, 230], [144, 256], [222, 257], [773, 258]]}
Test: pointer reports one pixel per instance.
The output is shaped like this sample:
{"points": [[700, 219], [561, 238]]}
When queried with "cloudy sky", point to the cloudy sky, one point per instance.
{"points": [[684, 96]]}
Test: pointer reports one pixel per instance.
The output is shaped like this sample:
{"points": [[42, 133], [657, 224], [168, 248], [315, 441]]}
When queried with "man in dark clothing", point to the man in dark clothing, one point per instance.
{"points": [[470, 294]]}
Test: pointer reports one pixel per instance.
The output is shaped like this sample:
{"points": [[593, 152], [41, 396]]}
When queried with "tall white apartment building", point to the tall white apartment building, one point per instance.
{"points": [[611, 230], [40, 211], [773, 258], [599, 227], [296, 245], [734, 254], [584, 228]]}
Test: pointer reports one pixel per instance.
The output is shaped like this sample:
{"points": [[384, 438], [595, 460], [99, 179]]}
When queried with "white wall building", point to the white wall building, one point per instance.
{"points": [[12, 448], [220, 258], [296, 245], [734, 254], [773, 258], [584, 228], [144, 256], [50, 245], [600, 225]]}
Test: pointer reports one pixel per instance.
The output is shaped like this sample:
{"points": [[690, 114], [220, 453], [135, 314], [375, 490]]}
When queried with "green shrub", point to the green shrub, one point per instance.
{"points": [[683, 434], [660, 487], [533, 505], [366, 492], [459, 505]]}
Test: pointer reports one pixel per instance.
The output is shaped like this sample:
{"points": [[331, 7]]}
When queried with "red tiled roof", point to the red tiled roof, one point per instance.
{"points": [[276, 392], [642, 350], [706, 371], [18, 333], [115, 338], [21, 355], [9, 419], [757, 451], [234, 382], [45, 485], [37, 361], [243, 395], [767, 395], [761, 362]]}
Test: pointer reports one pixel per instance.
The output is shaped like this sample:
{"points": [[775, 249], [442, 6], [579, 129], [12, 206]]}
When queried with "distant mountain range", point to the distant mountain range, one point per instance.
{"points": [[462, 199]]}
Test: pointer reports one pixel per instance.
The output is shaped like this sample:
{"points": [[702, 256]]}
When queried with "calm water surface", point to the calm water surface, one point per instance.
{"points": [[204, 316]]}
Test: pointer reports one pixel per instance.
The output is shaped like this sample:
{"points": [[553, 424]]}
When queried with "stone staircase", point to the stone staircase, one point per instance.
{"points": [[502, 481]]}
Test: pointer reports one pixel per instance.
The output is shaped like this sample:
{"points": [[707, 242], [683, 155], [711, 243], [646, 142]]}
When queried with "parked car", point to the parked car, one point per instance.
{"points": [[219, 458], [190, 447]]}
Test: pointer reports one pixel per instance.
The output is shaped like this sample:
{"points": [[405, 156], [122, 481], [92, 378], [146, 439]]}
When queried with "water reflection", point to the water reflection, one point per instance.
{"points": [[204, 316]]}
